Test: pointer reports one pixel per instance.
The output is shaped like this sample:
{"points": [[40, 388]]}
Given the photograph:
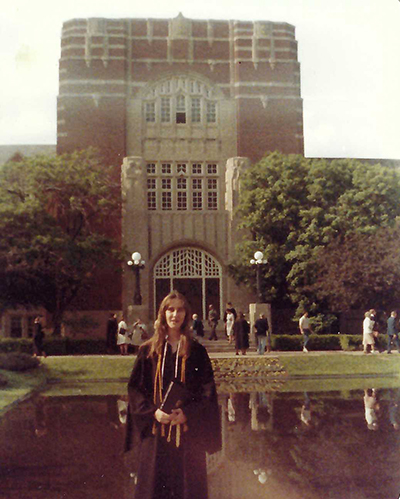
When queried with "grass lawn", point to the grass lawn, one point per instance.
{"points": [[20, 385], [341, 364], [339, 371]]}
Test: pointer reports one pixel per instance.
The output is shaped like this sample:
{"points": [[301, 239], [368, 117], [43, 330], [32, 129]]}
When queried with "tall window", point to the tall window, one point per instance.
{"points": [[180, 109], [212, 194], [151, 194], [197, 194], [150, 112], [211, 112], [196, 110], [181, 202], [165, 109]]}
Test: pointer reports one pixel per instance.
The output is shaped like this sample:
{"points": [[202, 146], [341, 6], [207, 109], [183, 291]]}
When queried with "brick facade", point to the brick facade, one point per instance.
{"points": [[192, 94]]}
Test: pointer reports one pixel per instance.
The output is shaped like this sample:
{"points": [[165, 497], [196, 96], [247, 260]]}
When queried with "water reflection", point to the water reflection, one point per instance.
{"points": [[280, 445]]}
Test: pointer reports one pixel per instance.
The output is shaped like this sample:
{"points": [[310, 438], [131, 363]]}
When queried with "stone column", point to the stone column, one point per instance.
{"points": [[134, 235]]}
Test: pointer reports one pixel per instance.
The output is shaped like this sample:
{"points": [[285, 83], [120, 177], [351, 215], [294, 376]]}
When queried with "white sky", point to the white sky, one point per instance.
{"points": [[349, 52]]}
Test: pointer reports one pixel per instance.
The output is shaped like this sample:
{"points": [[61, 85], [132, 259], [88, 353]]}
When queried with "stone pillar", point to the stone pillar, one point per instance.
{"points": [[255, 309], [135, 235], [235, 167]]}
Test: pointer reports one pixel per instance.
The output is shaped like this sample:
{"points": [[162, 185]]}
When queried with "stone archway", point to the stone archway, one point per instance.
{"points": [[194, 273]]}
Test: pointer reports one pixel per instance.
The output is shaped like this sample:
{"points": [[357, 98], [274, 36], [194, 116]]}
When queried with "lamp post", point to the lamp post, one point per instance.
{"points": [[137, 264], [258, 260]]}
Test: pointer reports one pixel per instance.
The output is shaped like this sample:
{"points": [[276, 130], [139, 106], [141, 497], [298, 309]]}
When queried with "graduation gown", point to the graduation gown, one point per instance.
{"points": [[162, 465]]}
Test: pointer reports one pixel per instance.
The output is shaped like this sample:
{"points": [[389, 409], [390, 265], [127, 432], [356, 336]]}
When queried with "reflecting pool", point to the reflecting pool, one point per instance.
{"points": [[292, 445]]}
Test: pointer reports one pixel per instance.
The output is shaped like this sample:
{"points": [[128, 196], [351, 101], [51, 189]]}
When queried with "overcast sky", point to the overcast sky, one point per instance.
{"points": [[349, 51]]}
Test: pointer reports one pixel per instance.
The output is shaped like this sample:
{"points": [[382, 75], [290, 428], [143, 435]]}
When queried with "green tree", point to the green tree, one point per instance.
{"points": [[292, 206], [359, 271], [55, 214]]}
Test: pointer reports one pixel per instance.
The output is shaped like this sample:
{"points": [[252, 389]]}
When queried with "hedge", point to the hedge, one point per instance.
{"points": [[56, 346], [96, 346], [16, 361]]}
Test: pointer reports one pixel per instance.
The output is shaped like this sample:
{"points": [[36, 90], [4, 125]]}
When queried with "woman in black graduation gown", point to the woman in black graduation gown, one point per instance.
{"points": [[173, 449]]}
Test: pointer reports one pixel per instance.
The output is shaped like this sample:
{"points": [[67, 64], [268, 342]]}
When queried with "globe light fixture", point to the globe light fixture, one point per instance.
{"points": [[259, 260], [137, 264]]}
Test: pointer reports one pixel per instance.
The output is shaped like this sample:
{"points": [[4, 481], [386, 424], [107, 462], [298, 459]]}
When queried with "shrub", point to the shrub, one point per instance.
{"points": [[86, 346], [16, 361], [23, 345], [55, 345]]}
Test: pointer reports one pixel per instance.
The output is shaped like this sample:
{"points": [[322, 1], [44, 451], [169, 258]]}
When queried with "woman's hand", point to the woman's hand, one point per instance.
{"points": [[162, 417], [178, 417]]}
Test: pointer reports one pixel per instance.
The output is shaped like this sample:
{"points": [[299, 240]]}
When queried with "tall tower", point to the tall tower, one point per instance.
{"points": [[187, 103]]}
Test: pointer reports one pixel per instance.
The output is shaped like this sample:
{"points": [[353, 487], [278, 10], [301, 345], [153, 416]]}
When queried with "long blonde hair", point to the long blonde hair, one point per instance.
{"points": [[156, 343]]}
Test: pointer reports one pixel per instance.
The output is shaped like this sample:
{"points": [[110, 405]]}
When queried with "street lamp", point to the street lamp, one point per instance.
{"points": [[258, 260], [137, 264]]}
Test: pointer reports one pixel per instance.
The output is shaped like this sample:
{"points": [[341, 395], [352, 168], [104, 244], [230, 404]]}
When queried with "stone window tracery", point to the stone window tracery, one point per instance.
{"points": [[186, 99]]}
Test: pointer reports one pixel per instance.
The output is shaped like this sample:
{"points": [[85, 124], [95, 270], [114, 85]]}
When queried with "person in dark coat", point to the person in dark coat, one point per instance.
{"points": [[173, 445], [263, 334], [213, 322], [38, 337], [392, 332], [197, 326], [241, 330], [112, 329]]}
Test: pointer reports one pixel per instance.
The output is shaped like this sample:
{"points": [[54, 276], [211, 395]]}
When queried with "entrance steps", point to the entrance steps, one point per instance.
{"points": [[219, 346]]}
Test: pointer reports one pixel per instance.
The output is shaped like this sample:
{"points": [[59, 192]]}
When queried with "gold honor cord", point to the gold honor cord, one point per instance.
{"points": [[158, 386]]}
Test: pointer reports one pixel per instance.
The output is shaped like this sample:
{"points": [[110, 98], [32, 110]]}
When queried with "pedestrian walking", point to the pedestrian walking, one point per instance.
{"points": [[305, 329], [368, 333], [111, 333], [263, 335], [38, 337], [122, 338], [213, 322], [392, 332]]}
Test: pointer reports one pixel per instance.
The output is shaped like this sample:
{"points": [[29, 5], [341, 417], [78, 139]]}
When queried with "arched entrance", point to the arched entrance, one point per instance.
{"points": [[194, 273]]}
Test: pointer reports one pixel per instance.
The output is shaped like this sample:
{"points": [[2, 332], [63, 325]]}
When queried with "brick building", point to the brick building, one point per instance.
{"points": [[184, 106]]}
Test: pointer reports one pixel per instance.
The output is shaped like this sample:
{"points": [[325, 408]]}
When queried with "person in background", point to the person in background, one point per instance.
{"points": [[230, 309], [392, 332], [368, 336], [122, 338], [229, 323], [376, 327], [263, 334], [213, 322], [138, 335], [241, 330], [173, 445], [305, 329], [112, 330], [38, 337], [197, 326]]}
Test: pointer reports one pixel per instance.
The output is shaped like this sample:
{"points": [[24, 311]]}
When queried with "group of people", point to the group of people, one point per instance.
{"points": [[120, 335], [237, 329], [372, 328]]}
